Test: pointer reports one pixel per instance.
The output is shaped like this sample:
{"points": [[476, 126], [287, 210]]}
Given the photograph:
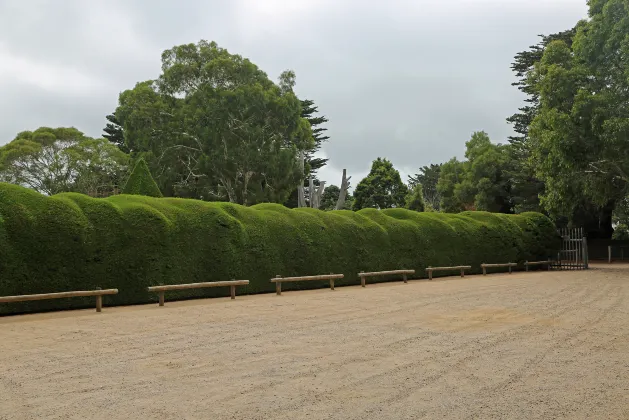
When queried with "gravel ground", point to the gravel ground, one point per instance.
{"points": [[540, 345]]}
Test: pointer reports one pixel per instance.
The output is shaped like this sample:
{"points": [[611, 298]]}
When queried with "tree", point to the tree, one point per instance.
{"points": [[330, 198], [141, 182], [55, 160], [526, 186], [415, 199], [309, 164], [382, 188], [487, 184], [480, 183], [451, 175], [579, 133], [214, 125], [621, 220], [428, 177], [114, 132]]}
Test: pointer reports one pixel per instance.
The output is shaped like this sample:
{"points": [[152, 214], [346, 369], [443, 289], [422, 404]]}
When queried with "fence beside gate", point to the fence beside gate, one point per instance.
{"points": [[573, 254]]}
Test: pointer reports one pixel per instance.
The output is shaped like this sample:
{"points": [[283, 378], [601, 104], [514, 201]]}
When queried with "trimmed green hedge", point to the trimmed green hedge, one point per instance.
{"points": [[74, 242], [141, 182]]}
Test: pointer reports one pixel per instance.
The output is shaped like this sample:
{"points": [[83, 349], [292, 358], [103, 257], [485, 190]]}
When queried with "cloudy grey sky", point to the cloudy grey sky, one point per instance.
{"points": [[408, 80]]}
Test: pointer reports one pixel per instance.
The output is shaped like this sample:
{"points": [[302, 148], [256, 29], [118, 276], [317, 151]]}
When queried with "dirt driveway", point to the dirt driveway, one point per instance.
{"points": [[525, 346]]}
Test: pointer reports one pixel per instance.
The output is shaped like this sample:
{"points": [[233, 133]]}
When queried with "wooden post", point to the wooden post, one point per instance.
{"points": [[462, 272], [405, 278], [362, 279], [484, 270], [429, 273], [526, 264], [99, 301], [233, 290], [161, 298], [331, 284], [509, 268], [278, 286], [586, 258], [609, 254]]}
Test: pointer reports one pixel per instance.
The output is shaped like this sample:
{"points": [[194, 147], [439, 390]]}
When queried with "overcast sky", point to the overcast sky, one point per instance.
{"points": [[408, 80]]}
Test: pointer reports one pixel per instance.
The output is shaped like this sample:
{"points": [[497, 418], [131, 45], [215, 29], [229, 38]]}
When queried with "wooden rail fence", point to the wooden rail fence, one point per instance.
{"points": [[62, 295], [486, 266], [462, 268], [527, 264], [278, 280], [170, 287], [404, 273]]}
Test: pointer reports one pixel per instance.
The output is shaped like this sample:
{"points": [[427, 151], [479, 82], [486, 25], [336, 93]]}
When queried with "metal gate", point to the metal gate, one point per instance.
{"points": [[574, 250]]}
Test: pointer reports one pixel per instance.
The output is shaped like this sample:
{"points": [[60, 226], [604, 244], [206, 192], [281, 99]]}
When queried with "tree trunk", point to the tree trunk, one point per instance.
{"points": [[311, 192], [340, 204], [315, 195], [301, 196]]}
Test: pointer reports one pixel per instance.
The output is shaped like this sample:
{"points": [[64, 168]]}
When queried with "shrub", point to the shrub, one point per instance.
{"points": [[141, 182], [73, 242]]}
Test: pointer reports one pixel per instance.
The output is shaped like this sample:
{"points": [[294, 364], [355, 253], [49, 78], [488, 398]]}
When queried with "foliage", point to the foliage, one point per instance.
{"points": [[621, 220], [141, 182], [114, 132], [526, 187], [428, 177], [213, 126], [331, 196], [487, 175], [381, 189], [480, 183], [415, 199], [311, 163], [54, 160], [579, 134], [73, 242], [452, 174]]}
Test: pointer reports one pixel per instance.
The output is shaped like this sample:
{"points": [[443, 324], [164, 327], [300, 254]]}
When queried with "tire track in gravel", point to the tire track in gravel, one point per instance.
{"points": [[502, 387], [427, 334], [318, 322], [559, 307]]}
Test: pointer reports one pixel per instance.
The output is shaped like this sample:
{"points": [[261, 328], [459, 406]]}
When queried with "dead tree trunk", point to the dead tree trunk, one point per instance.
{"points": [[340, 204], [315, 195], [301, 196]]}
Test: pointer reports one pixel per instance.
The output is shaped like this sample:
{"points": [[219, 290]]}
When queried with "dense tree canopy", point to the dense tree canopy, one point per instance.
{"points": [[214, 125], [54, 160], [481, 182], [415, 199], [330, 198], [579, 134], [428, 177], [382, 188]]}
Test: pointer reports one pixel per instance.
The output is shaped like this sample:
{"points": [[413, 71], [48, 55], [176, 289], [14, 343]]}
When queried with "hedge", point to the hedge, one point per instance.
{"points": [[141, 182], [73, 242]]}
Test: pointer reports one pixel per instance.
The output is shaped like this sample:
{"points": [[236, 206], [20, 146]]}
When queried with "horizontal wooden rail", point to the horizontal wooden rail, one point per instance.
{"points": [[527, 264], [278, 280], [169, 287], [429, 270], [404, 274], [62, 295], [486, 266]]}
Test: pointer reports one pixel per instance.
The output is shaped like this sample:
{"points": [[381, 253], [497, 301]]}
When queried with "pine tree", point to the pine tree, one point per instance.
{"points": [[114, 132]]}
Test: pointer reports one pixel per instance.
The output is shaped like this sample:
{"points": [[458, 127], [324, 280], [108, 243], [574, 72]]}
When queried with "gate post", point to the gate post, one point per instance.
{"points": [[586, 261]]}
